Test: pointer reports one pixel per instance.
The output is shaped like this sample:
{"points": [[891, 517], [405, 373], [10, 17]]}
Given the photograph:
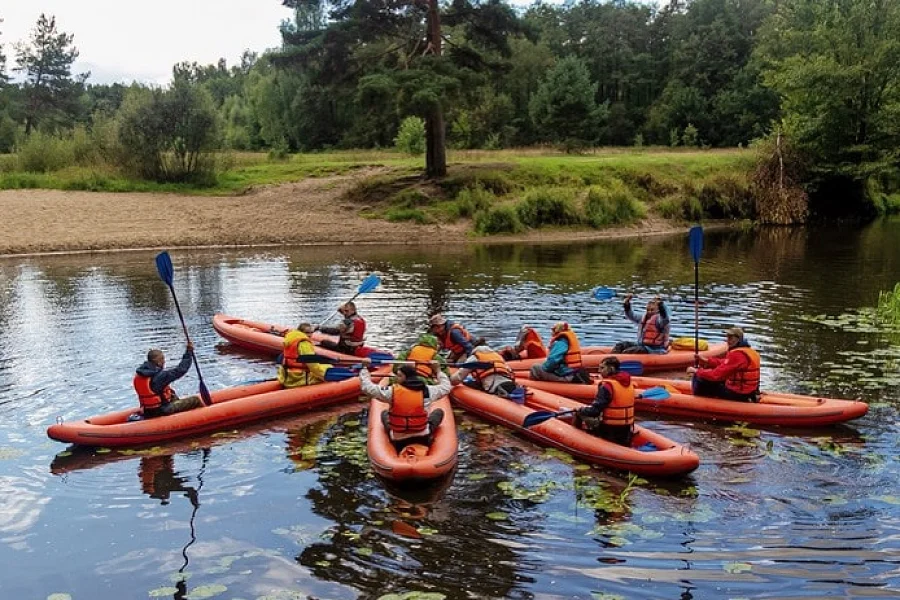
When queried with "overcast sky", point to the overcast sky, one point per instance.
{"points": [[123, 40]]}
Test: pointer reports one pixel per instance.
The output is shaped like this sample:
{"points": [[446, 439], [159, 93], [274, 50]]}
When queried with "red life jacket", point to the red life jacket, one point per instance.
{"points": [[573, 354], [499, 366], [653, 336], [620, 411], [407, 413], [357, 336], [452, 346], [422, 355], [533, 344], [291, 352], [146, 396], [746, 380]]}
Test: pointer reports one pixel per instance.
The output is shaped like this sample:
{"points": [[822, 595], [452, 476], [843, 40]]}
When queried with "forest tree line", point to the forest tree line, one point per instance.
{"points": [[817, 80]]}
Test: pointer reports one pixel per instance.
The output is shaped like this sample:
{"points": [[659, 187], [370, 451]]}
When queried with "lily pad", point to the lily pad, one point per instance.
{"points": [[735, 568], [162, 592], [206, 591], [59, 596], [497, 516]]}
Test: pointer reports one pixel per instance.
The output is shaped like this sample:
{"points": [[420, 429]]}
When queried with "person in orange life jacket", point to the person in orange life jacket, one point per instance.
{"points": [[351, 331], [152, 382], [293, 373], [423, 352], [528, 345], [407, 420], [158, 479], [653, 329], [498, 380], [453, 337], [611, 415], [564, 360], [736, 377]]}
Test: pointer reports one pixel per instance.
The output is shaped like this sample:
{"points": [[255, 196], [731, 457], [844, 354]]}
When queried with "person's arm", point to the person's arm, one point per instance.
{"points": [[372, 389], [628, 312], [557, 355], [601, 401], [462, 372], [169, 376], [316, 369], [436, 392], [733, 362]]}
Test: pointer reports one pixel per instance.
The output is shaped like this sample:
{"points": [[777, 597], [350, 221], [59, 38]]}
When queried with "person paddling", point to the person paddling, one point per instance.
{"points": [[611, 416], [499, 379], [736, 377], [152, 382], [653, 329], [351, 331], [293, 373], [564, 361], [453, 337], [408, 419]]}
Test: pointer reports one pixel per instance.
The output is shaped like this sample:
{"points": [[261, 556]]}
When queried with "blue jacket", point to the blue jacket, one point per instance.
{"points": [[160, 378], [556, 359]]}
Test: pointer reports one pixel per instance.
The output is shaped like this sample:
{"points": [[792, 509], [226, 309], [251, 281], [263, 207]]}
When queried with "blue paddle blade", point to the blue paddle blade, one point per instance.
{"points": [[369, 283], [339, 374], [539, 416], [604, 293], [655, 393], [632, 367], [164, 266], [696, 242]]}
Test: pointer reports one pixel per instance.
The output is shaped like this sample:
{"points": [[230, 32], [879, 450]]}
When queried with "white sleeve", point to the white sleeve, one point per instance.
{"points": [[436, 392], [372, 389]]}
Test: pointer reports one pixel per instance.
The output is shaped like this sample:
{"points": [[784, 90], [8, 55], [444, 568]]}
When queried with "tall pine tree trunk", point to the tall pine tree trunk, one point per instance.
{"points": [[435, 130]]}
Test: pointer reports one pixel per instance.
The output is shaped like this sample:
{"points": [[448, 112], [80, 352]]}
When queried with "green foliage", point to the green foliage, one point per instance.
{"points": [[726, 197], [280, 150], [548, 206], [498, 219], [564, 108], [674, 137], [472, 200], [639, 141], [411, 136], [411, 198], [888, 310], [612, 205], [407, 214], [42, 153], [8, 132], [689, 137]]}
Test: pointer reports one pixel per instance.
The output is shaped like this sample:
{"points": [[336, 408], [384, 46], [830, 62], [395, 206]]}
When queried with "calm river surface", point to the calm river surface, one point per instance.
{"points": [[290, 509]]}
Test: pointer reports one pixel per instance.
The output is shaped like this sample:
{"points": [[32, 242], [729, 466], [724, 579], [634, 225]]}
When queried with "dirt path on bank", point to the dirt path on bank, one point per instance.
{"points": [[312, 211]]}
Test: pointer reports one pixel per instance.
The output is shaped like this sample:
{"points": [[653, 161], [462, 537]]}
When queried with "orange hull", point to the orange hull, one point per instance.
{"points": [[267, 338], [669, 459], [670, 361], [787, 410], [416, 462], [230, 407]]}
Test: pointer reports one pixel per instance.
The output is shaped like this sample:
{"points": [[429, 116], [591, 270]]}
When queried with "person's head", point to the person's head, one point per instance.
{"points": [[734, 336], [156, 357], [437, 323], [406, 373], [347, 309], [609, 366], [559, 327], [428, 340], [306, 328], [652, 307]]}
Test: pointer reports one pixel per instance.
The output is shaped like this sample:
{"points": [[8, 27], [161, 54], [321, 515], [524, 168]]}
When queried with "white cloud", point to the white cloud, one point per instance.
{"points": [[125, 41]]}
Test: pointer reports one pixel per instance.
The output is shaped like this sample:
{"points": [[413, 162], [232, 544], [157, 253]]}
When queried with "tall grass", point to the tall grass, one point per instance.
{"points": [[889, 306]]}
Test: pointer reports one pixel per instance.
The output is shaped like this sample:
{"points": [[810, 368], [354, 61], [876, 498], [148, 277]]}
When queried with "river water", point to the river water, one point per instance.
{"points": [[290, 509]]}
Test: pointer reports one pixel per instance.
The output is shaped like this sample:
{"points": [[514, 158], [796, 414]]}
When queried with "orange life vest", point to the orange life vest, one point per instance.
{"points": [[533, 344], [746, 380], [573, 354], [620, 411], [291, 352], [407, 413], [422, 355], [452, 346], [146, 396], [499, 366], [653, 336]]}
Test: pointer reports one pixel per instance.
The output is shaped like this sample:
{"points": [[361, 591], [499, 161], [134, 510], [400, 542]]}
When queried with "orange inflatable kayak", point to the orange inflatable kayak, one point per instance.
{"points": [[773, 408], [650, 454], [415, 462], [672, 360], [267, 338], [230, 407]]}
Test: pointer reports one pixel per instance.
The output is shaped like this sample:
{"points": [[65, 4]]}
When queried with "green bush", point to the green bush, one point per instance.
{"points": [[472, 200], [43, 153], [411, 136], [411, 198], [613, 205], [548, 207], [498, 219], [680, 206], [691, 137], [726, 197], [279, 151], [495, 182], [406, 214]]}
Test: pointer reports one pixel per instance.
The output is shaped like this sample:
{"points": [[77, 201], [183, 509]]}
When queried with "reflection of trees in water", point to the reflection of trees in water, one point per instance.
{"points": [[367, 550]]}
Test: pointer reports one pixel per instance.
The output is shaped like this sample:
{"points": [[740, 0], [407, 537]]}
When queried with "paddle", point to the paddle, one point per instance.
{"points": [[166, 273], [632, 367], [368, 284], [695, 240], [343, 373], [539, 416]]}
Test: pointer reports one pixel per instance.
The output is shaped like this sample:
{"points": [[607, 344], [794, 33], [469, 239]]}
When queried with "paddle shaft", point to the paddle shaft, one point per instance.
{"points": [[697, 314], [331, 316], [204, 393]]}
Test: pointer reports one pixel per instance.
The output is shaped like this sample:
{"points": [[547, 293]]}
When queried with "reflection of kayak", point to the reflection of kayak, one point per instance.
{"points": [[267, 338], [415, 462], [650, 454], [670, 361], [231, 406], [774, 408]]}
